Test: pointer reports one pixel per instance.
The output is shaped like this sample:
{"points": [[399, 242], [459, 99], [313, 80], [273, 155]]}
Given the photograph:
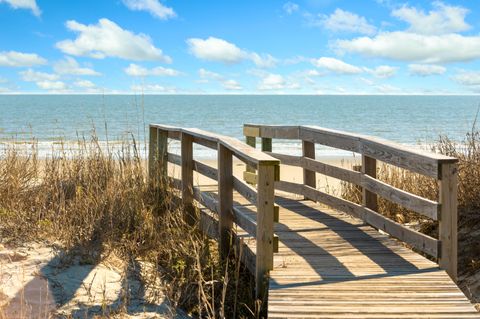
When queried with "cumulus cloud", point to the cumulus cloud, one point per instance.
{"points": [[107, 39], [24, 4], [153, 88], [70, 66], [34, 76], [19, 59], [344, 21], [228, 84], [383, 71], [430, 38], [426, 69], [290, 7], [84, 84], [336, 66], [406, 46], [219, 50], [468, 78], [154, 7], [441, 20], [273, 82], [54, 86], [139, 71]]}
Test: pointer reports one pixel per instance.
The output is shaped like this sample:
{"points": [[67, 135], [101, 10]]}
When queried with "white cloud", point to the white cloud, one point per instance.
{"points": [[468, 78], [54, 86], [290, 7], [344, 21], [227, 84], [137, 70], [406, 46], [24, 4], [383, 71], [426, 69], [387, 89], [336, 66], [84, 84], [219, 50], [34, 76], [154, 7], [70, 66], [153, 88], [107, 39], [443, 19], [271, 81], [19, 59]]}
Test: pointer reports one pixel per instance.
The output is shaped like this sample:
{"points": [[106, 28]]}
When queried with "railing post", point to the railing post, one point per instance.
{"points": [[448, 218], [265, 216], [250, 171], [309, 178], [225, 199], [152, 153], [187, 176], [369, 167], [266, 144]]}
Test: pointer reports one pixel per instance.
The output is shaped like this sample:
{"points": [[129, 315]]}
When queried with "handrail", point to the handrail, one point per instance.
{"points": [[262, 196], [440, 167]]}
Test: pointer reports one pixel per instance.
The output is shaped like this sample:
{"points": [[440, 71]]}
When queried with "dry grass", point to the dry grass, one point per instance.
{"points": [[95, 202], [468, 153]]}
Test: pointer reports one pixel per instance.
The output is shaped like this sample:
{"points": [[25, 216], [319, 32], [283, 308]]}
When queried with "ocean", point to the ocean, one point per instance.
{"points": [[413, 120]]}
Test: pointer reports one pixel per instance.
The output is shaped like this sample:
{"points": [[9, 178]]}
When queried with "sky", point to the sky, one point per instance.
{"points": [[239, 47]]}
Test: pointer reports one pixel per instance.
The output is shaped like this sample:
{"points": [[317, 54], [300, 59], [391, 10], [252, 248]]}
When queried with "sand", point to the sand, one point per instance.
{"points": [[38, 281]]}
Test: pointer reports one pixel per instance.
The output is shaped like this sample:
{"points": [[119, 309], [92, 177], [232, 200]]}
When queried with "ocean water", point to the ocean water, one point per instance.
{"points": [[413, 120]]}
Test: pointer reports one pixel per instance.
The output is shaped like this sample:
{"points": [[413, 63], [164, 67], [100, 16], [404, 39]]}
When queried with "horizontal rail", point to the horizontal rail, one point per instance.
{"points": [[206, 170], [247, 191], [413, 238], [423, 206], [426, 163], [239, 149]]}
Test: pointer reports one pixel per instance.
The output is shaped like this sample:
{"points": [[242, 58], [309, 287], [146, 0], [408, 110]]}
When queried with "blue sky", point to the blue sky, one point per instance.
{"points": [[240, 47]]}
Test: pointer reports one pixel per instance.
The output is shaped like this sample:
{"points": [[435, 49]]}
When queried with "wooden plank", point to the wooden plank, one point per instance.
{"points": [[251, 131], [415, 239], [265, 216], [309, 177], [206, 199], [225, 198], [250, 178], [272, 131], [448, 218], [251, 141], [204, 142], [206, 170], [187, 177], [422, 162], [152, 153], [247, 191], [174, 159], [162, 142], [243, 220], [369, 168], [414, 202]]}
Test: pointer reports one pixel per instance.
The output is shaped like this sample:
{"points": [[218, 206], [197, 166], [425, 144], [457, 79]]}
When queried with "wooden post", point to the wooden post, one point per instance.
{"points": [[448, 218], [252, 141], [265, 216], [266, 144], [225, 199], [152, 153], [309, 177], [187, 177], [369, 167], [162, 142]]}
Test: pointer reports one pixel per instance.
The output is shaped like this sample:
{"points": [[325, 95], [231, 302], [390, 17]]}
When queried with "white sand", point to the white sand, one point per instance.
{"points": [[36, 282]]}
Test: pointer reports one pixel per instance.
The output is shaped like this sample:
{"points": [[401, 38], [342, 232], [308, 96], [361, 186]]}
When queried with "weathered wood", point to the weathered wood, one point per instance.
{"points": [[251, 140], [162, 142], [243, 220], [245, 190], [448, 218], [266, 144], [413, 238], [207, 143], [174, 159], [309, 177], [152, 153], [265, 217], [369, 168], [206, 170], [187, 177], [225, 199], [414, 202], [250, 178], [206, 200], [272, 131]]}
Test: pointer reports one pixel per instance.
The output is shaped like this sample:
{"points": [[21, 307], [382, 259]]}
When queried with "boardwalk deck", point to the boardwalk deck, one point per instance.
{"points": [[331, 265]]}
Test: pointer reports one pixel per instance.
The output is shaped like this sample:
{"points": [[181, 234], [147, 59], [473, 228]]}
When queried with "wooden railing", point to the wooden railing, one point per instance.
{"points": [[439, 167], [227, 213]]}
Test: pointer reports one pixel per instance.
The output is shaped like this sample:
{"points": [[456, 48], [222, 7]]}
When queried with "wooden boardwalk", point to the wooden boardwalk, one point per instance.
{"points": [[325, 257]]}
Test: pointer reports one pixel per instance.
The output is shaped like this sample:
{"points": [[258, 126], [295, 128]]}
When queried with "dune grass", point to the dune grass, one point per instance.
{"points": [[100, 201]]}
